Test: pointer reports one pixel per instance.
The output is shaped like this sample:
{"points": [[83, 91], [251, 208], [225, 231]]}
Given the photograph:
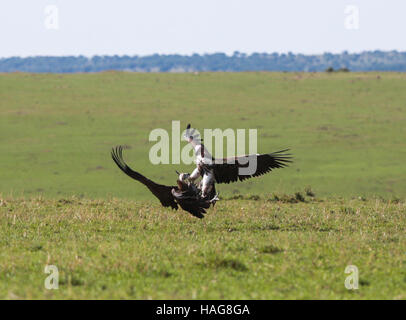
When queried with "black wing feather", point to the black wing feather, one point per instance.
{"points": [[190, 203], [228, 170], [162, 192]]}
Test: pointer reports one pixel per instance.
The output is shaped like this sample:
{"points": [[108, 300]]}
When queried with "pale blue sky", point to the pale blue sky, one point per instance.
{"points": [[90, 27]]}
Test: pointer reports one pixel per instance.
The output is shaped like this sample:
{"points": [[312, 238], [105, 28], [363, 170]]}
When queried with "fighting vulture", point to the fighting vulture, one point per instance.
{"points": [[194, 197]]}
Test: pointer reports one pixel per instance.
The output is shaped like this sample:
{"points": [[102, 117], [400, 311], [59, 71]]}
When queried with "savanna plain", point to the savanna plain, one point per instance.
{"points": [[287, 235]]}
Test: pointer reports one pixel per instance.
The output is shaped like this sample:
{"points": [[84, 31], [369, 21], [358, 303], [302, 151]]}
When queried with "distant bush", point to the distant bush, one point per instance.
{"points": [[331, 69], [396, 200], [271, 249], [309, 192], [297, 197], [242, 197], [347, 210]]}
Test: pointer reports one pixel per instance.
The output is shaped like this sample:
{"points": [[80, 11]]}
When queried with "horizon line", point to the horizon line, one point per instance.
{"points": [[202, 54]]}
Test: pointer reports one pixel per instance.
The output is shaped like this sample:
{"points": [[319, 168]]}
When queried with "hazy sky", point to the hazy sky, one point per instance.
{"points": [[90, 27]]}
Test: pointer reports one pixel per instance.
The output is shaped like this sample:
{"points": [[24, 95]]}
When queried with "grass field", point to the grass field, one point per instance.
{"points": [[347, 131], [64, 202], [253, 249]]}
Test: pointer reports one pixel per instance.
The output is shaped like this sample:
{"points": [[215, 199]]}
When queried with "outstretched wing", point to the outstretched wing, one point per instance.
{"points": [[232, 169], [162, 192]]}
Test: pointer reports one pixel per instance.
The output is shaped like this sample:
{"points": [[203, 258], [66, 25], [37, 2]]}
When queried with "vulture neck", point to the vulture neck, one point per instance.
{"points": [[202, 154]]}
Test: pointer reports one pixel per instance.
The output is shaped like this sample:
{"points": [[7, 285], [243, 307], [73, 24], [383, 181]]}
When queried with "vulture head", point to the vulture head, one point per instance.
{"points": [[182, 176]]}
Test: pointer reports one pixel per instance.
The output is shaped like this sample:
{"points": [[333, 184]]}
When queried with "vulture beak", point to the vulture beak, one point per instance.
{"points": [[177, 172]]}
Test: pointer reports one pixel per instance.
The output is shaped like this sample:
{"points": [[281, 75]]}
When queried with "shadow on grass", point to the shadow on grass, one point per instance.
{"points": [[270, 249], [225, 263]]}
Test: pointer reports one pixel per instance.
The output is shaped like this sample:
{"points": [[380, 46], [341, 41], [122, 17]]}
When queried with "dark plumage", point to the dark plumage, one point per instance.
{"points": [[184, 195], [196, 199], [162, 192], [188, 197], [227, 170]]}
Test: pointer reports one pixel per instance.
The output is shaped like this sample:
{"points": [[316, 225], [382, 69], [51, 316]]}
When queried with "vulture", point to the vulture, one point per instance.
{"points": [[229, 169], [186, 195], [196, 198]]}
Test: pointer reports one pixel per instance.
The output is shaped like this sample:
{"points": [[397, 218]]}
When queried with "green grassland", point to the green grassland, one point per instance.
{"points": [[347, 131], [64, 202], [253, 249]]}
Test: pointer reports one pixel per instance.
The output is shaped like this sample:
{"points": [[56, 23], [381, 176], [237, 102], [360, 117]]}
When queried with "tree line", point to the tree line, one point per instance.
{"points": [[365, 61]]}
